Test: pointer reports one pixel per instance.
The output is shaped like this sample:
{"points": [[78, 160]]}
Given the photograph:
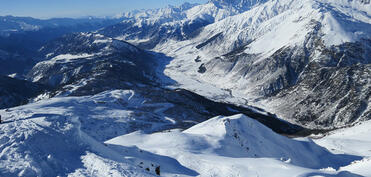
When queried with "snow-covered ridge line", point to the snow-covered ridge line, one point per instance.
{"points": [[239, 146], [93, 134], [72, 57], [147, 28], [273, 48]]}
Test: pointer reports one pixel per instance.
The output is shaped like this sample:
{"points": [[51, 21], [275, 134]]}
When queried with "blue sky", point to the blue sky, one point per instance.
{"points": [[78, 8]]}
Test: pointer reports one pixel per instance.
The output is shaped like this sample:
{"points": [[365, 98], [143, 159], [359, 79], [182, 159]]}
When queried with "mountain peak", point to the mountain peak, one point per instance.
{"points": [[240, 4]]}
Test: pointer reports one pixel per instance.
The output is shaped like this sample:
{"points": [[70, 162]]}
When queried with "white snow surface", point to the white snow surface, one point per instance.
{"points": [[95, 136], [266, 28], [287, 22], [64, 136], [355, 141], [239, 146], [68, 57], [187, 13]]}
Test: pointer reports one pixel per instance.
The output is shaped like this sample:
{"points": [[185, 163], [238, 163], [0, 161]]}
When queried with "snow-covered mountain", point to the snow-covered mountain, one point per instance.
{"points": [[238, 146], [241, 5], [147, 28], [281, 55], [353, 141], [86, 141], [102, 105], [303, 60], [88, 63], [78, 61]]}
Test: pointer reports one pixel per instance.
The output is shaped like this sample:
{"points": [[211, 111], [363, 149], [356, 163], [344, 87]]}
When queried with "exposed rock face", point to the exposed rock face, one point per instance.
{"points": [[312, 85], [329, 96]]}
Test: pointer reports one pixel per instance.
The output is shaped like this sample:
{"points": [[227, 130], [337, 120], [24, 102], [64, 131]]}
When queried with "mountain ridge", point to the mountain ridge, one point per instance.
{"points": [[237, 54]]}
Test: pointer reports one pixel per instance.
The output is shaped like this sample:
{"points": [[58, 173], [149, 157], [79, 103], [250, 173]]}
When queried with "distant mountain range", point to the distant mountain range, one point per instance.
{"points": [[11, 24], [22, 37]]}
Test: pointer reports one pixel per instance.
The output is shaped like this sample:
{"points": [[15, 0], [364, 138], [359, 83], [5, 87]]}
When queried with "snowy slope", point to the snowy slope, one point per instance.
{"points": [[60, 137], [354, 140], [120, 112], [88, 136], [239, 146], [287, 22], [65, 135], [147, 28], [110, 115], [274, 49]]}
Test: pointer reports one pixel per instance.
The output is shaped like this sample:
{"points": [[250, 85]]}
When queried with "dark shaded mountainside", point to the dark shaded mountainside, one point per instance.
{"points": [[14, 92]]}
